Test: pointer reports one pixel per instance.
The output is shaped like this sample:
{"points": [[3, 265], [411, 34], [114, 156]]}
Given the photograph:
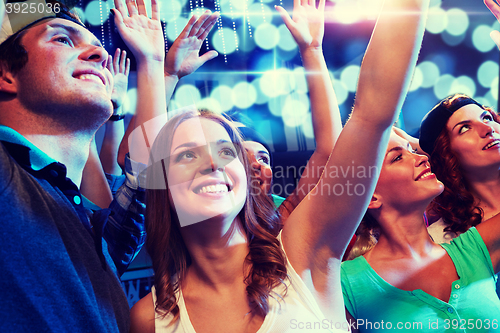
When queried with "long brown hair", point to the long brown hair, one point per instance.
{"points": [[456, 205], [266, 260]]}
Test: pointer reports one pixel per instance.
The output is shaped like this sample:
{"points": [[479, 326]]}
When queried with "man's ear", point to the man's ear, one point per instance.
{"points": [[375, 202], [8, 83]]}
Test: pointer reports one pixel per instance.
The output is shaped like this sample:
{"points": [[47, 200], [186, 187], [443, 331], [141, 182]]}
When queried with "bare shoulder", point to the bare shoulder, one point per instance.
{"points": [[142, 316]]}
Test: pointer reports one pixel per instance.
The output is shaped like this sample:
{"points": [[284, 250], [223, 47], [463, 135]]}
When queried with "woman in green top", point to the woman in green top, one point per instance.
{"points": [[408, 282]]}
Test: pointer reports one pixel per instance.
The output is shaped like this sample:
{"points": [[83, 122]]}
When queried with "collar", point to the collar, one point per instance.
{"points": [[37, 159]]}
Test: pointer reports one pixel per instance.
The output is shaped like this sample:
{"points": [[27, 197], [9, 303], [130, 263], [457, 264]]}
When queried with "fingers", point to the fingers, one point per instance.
{"points": [[208, 56], [109, 65], [123, 60], [285, 16], [495, 35], [141, 8], [321, 5], [493, 7], [116, 62], [132, 8], [187, 29], [127, 67], [155, 10], [199, 23], [120, 9], [210, 23]]}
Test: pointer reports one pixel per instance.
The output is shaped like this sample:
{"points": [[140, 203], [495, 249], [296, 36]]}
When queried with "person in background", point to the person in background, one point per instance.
{"points": [[55, 92], [387, 285], [214, 240]]}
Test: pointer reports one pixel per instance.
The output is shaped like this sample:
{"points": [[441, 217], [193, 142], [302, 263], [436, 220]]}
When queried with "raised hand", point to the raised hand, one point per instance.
{"points": [[143, 35], [119, 66], [183, 56], [495, 9], [307, 24]]}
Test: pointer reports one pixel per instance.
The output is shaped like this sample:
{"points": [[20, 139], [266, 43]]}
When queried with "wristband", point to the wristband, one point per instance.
{"points": [[116, 117]]}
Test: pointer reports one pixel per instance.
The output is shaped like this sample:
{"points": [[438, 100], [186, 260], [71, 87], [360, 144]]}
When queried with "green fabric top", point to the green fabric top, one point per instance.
{"points": [[277, 200], [473, 305]]}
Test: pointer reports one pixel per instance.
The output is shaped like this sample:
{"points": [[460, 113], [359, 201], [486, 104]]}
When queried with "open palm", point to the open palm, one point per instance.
{"points": [[307, 22], [183, 56], [143, 35]]}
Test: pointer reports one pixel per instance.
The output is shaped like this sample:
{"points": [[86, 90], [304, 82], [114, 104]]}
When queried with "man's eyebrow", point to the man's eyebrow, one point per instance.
{"points": [[74, 31]]}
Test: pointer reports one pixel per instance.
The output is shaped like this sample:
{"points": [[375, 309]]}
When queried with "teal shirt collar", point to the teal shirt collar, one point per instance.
{"points": [[38, 158]]}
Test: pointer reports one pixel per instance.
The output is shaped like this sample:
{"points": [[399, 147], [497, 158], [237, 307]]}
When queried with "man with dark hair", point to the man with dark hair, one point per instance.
{"points": [[57, 272]]}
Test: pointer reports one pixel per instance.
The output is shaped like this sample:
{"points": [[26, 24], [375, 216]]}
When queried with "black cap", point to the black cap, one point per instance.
{"points": [[435, 120]]}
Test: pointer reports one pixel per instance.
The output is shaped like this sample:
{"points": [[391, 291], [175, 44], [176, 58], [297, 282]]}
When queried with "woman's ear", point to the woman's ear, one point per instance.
{"points": [[375, 202]]}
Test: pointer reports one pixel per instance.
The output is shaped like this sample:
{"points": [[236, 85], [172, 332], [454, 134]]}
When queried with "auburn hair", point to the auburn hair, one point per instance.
{"points": [[456, 205], [265, 261]]}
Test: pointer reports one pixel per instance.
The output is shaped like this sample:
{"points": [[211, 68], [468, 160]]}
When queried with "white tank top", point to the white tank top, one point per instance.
{"points": [[297, 312]]}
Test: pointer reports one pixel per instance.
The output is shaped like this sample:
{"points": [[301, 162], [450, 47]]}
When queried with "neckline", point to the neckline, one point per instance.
{"points": [[386, 284], [187, 325]]}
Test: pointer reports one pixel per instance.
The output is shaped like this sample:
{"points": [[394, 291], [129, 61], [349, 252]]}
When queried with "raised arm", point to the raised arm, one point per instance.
{"points": [[490, 233], [307, 28], [94, 185], [144, 37], [114, 129], [319, 229], [495, 9], [182, 59]]}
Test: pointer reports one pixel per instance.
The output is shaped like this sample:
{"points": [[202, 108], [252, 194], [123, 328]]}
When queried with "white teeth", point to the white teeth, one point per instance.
{"points": [[90, 77], [428, 173], [214, 188], [494, 143]]}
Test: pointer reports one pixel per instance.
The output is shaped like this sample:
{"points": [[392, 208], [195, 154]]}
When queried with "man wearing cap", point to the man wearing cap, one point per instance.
{"points": [[57, 273]]}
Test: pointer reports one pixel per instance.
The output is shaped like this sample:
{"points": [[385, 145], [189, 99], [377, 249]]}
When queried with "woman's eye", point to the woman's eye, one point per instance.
{"points": [[463, 129], [187, 155], [264, 159], [487, 118], [397, 158], [228, 152]]}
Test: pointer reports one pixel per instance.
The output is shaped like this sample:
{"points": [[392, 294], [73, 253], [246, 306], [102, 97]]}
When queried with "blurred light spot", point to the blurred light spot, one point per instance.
{"points": [[464, 85], [487, 72], [349, 77], [221, 94], [170, 10], [481, 38], [340, 89], [130, 101], [307, 127], [294, 111], [246, 43], [435, 3], [300, 80], [494, 88], [266, 36], [174, 27], [81, 14], [437, 20], [244, 95], [286, 55], [286, 41], [416, 81], [229, 10], [93, 13], [275, 105], [443, 86], [211, 104], [430, 73], [345, 12], [452, 40], [490, 99], [186, 95], [277, 82], [445, 62], [259, 14], [458, 22], [261, 97], [224, 40]]}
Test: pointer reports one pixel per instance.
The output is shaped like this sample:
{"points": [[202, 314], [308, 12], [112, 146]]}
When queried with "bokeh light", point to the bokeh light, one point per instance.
{"points": [[267, 36], [222, 94], [463, 85], [437, 20], [96, 13], [186, 95], [481, 38], [458, 22], [225, 41], [487, 72], [443, 86], [349, 77], [175, 27], [244, 95], [430, 73], [286, 41]]}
